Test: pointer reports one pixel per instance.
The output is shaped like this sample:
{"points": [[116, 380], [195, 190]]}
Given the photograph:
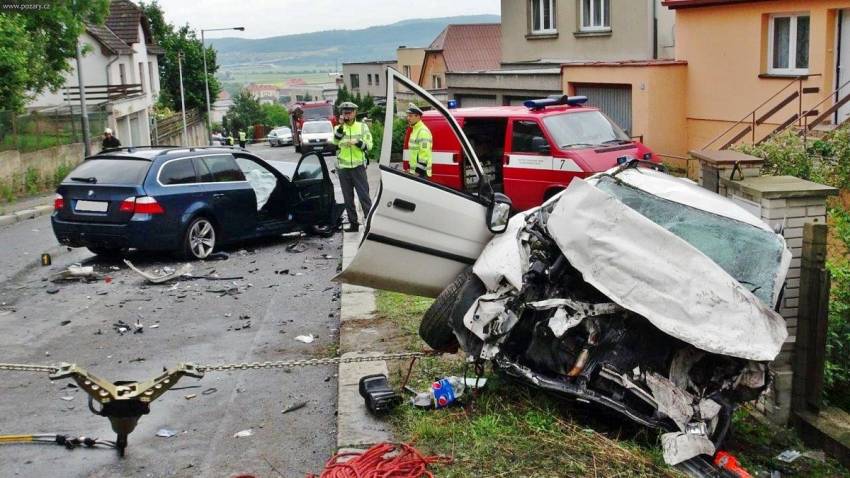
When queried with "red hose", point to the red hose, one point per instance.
{"points": [[384, 460]]}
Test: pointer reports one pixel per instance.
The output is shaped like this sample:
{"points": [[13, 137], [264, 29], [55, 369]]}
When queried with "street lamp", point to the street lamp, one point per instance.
{"points": [[206, 81]]}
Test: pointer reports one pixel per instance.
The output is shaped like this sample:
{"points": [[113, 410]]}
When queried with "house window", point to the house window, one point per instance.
{"points": [[406, 70], [355, 81], [788, 47], [122, 73], [377, 80], [595, 15], [150, 75], [142, 76], [437, 82], [543, 16]]}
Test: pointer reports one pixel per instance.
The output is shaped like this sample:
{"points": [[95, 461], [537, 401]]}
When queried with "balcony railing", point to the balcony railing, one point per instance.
{"points": [[104, 93]]}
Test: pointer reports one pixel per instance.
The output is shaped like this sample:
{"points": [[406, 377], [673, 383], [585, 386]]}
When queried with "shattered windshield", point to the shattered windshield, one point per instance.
{"points": [[749, 254]]}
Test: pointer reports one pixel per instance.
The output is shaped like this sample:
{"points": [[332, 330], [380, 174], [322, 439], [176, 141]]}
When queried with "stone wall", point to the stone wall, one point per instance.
{"points": [[13, 163]]}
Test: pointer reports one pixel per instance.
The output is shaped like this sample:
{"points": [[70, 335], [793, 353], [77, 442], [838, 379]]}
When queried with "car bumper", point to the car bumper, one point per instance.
{"points": [[323, 147], [142, 232]]}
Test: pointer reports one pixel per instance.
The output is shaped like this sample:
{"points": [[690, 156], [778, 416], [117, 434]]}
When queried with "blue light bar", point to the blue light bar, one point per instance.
{"points": [[555, 100], [452, 104]]}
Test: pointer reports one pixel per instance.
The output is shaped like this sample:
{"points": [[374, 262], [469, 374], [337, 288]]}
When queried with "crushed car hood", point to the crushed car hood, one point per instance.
{"points": [[650, 271], [691, 287]]}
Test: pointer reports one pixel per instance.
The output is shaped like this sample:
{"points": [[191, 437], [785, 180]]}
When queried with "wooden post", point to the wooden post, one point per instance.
{"points": [[810, 353]]}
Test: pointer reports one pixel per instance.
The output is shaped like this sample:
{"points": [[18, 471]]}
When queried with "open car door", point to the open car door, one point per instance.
{"points": [[314, 202], [419, 235]]}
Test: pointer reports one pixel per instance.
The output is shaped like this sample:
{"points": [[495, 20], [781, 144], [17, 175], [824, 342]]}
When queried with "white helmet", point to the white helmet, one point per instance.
{"points": [[107, 131]]}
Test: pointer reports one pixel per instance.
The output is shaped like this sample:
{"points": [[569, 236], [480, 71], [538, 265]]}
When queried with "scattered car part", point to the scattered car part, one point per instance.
{"points": [[380, 398], [162, 278]]}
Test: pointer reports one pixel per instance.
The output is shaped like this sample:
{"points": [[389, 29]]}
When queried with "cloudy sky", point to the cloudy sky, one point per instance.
{"points": [[266, 18]]}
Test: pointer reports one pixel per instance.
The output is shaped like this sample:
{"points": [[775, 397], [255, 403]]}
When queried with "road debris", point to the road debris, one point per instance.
{"points": [[307, 339], [168, 274], [75, 272], [293, 407], [67, 398], [244, 433], [296, 247], [190, 396], [209, 391], [165, 433]]}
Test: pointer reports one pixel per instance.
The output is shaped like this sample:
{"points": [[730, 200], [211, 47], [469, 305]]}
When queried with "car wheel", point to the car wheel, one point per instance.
{"points": [[199, 239], [435, 328], [321, 230], [106, 251]]}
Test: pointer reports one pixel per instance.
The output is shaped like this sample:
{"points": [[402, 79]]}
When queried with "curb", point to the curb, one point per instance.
{"points": [[355, 426], [24, 214]]}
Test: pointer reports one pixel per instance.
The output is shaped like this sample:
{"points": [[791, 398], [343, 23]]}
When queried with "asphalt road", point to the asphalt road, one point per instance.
{"points": [[282, 295]]}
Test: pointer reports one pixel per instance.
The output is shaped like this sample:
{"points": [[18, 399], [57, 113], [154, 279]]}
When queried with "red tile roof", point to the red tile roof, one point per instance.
{"points": [[473, 47], [674, 4], [124, 19]]}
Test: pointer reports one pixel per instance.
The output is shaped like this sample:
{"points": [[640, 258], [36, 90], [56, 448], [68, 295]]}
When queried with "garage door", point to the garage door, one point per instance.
{"points": [[468, 101], [614, 100]]}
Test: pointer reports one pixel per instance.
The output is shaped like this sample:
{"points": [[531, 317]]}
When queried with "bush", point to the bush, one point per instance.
{"points": [[837, 368]]}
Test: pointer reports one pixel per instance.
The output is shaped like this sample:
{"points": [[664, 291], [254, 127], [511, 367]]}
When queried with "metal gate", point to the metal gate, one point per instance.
{"points": [[468, 101], [614, 100]]}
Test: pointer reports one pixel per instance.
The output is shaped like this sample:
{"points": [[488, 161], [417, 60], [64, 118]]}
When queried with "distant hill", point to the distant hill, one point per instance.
{"points": [[332, 46]]}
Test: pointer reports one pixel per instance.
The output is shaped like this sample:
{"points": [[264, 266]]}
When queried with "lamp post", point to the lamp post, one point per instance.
{"points": [[206, 80], [182, 98]]}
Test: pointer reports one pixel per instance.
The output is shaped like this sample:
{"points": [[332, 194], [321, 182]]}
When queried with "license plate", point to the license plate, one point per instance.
{"points": [[91, 206]]}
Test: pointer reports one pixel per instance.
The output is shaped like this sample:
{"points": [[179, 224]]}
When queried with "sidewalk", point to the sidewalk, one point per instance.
{"points": [[358, 335], [27, 208]]}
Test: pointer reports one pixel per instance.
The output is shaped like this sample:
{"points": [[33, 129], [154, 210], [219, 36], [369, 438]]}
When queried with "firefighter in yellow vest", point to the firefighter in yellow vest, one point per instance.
{"points": [[420, 143], [352, 139]]}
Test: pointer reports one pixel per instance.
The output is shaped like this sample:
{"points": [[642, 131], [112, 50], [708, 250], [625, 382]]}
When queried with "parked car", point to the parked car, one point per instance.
{"points": [[631, 290], [317, 136], [529, 152], [219, 138], [280, 136], [188, 200]]}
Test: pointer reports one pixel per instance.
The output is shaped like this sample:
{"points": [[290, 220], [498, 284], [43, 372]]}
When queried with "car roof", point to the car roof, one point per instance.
{"points": [[510, 111], [150, 153]]}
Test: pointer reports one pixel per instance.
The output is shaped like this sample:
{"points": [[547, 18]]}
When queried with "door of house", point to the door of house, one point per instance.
{"points": [[843, 75], [614, 100]]}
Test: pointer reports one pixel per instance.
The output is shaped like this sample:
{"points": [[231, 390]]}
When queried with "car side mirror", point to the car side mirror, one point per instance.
{"points": [[540, 145], [498, 213]]}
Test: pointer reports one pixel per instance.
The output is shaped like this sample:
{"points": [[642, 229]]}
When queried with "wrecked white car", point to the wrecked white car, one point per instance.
{"points": [[632, 290]]}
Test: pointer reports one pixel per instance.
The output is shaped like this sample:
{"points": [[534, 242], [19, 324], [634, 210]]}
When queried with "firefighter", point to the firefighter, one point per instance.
{"points": [[352, 139], [109, 140], [242, 138], [420, 143]]}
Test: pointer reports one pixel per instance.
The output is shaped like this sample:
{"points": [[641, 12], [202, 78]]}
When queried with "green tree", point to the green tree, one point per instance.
{"points": [[182, 40], [245, 112], [35, 46], [276, 115]]}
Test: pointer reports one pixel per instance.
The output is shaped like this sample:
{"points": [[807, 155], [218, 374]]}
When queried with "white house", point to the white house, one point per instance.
{"points": [[121, 74]]}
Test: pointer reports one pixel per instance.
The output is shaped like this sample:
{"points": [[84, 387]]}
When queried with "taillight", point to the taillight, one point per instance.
{"points": [[141, 205], [58, 202]]}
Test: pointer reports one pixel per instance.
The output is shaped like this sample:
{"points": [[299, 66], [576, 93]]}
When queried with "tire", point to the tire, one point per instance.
{"points": [[110, 252], [435, 328], [199, 239], [321, 230]]}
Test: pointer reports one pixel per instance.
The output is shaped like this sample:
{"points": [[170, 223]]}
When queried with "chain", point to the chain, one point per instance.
{"points": [[17, 367], [312, 362], [13, 367]]}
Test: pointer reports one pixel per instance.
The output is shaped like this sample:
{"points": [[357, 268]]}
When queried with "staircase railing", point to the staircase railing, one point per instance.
{"points": [[829, 111], [752, 119]]}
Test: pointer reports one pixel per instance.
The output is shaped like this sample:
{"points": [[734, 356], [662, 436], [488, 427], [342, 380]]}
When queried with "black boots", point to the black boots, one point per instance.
{"points": [[353, 227]]}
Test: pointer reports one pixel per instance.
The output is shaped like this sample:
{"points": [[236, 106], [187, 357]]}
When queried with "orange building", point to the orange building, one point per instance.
{"points": [[744, 69]]}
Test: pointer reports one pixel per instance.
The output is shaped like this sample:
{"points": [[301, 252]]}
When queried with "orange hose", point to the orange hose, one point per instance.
{"points": [[384, 460]]}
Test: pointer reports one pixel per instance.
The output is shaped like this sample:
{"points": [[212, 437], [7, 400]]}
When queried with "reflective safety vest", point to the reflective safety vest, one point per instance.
{"points": [[242, 136], [420, 145], [348, 154]]}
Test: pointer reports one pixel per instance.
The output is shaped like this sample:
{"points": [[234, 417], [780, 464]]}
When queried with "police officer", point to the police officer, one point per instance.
{"points": [[242, 138], [353, 140], [419, 144]]}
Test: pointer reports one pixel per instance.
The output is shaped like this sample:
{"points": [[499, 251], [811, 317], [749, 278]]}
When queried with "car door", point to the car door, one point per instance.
{"points": [[419, 235], [229, 195], [527, 170], [313, 201]]}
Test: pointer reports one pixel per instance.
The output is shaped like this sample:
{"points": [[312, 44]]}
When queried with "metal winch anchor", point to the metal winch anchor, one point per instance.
{"points": [[124, 402]]}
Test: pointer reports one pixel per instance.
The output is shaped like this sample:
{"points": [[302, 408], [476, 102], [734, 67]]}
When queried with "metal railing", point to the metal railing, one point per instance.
{"points": [[101, 93], [753, 121]]}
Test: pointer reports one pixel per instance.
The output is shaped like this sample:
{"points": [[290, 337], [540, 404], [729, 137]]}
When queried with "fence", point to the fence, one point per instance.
{"points": [[169, 131], [41, 130]]}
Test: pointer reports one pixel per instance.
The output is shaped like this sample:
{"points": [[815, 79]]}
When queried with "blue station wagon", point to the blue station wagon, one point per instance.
{"points": [[189, 200]]}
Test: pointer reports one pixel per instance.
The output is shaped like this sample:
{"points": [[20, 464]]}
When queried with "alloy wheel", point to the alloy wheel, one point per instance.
{"points": [[201, 238]]}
